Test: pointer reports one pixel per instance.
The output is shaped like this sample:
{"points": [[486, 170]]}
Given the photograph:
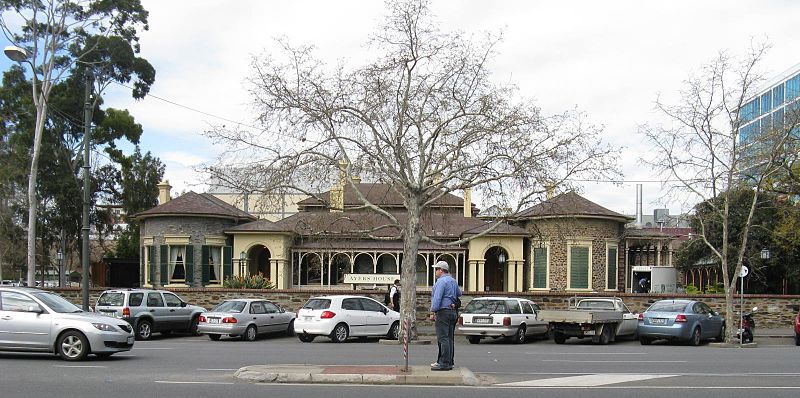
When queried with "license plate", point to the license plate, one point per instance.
{"points": [[589, 333], [130, 340], [213, 320], [481, 320], [658, 321], [112, 314], [308, 318]]}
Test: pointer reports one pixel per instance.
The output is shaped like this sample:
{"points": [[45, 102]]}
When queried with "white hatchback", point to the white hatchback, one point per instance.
{"points": [[340, 317]]}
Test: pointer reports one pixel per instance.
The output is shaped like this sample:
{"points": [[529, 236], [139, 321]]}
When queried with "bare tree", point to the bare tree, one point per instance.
{"points": [[705, 149], [423, 117]]}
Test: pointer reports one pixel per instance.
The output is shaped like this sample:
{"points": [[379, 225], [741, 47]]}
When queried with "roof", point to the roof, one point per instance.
{"points": [[570, 204], [195, 204], [440, 225], [378, 194]]}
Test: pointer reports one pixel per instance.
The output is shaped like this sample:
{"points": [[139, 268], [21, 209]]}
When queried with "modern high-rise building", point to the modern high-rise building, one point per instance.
{"points": [[773, 105]]}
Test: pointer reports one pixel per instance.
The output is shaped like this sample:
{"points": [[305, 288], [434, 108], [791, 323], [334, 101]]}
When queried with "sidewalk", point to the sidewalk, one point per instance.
{"points": [[360, 374]]}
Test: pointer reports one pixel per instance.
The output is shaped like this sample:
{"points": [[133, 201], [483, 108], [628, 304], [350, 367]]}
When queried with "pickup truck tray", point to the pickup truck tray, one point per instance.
{"points": [[580, 316]]}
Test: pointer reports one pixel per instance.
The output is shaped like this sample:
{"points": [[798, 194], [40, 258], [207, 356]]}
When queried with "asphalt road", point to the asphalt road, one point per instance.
{"points": [[185, 366]]}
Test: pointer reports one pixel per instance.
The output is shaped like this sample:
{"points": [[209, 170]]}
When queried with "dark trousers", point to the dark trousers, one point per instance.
{"points": [[445, 336]]}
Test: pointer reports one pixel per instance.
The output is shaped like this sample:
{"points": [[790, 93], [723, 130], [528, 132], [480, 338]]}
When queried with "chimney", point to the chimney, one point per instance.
{"points": [[343, 172], [639, 206], [467, 202], [356, 180], [551, 190], [163, 192]]}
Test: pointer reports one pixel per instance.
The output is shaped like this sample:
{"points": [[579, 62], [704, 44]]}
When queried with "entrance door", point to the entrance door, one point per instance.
{"points": [[494, 269]]}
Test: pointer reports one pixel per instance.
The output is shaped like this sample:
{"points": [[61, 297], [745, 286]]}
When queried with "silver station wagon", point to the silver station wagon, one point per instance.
{"points": [[501, 317], [37, 320]]}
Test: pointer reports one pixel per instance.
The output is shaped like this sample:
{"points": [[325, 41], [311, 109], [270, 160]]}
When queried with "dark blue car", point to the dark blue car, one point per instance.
{"points": [[680, 320]]}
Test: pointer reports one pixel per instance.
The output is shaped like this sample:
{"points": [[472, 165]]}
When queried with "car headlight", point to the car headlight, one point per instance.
{"points": [[104, 327]]}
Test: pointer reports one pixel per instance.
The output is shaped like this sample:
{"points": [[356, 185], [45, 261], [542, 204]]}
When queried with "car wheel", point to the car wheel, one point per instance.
{"points": [[394, 332], [748, 336], [250, 334], [721, 336], [144, 329], [214, 337], [193, 326], [290, 328], [306, 338], [72, 346], [519, 337], [645, 340], [605, 335], [559, 337], [474, 339], [695, 339], [339, 333]]}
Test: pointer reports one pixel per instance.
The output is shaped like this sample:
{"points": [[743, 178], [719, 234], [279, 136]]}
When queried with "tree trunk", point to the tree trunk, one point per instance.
{"points": [[41, 113], [408, 274]]}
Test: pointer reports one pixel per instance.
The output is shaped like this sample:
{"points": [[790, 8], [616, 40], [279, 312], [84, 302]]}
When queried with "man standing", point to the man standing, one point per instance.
{"points": [[444, 314], [394, 295]]}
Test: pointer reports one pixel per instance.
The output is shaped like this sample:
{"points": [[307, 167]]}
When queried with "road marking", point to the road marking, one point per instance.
{"points": [[575, 361], [676, 374], [154, 348], [592, 380], [587, 353], [219, 370], [193, 382], [79, 366]]}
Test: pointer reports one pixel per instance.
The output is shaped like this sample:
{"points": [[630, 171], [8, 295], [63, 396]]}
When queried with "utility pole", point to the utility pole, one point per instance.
{"points": [[87, 120]]}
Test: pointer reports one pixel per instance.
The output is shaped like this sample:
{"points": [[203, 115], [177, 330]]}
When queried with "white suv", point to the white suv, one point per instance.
{"points": [[497, 317], [340, 317]]}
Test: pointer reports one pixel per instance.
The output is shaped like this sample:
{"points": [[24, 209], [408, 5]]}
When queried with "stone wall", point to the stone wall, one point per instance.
{"points": [[774, 311]]}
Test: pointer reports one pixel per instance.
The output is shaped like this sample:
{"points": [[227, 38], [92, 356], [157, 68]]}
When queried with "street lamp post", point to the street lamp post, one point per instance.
{"points": [[60, 258], [87, 132]]}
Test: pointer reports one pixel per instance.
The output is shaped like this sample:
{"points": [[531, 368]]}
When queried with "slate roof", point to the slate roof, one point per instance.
{"points": [[570, 204], [195, 204], [380, 194]]}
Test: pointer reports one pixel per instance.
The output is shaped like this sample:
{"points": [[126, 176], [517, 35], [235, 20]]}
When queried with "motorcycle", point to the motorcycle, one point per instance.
{"points": [[748, 327]]}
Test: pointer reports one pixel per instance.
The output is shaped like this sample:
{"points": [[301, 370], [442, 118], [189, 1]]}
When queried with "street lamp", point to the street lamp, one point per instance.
{"points": [[16, 54]]}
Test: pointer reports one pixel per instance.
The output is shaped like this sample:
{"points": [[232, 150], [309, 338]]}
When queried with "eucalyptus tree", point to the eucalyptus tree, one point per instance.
{"points": [[55, 35], [422, 115], [702, 148]]}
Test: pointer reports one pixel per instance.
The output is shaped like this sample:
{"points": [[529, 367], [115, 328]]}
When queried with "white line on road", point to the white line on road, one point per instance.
{"points": [[576, 361], [154, 348], [193, 382], [592, 380], [79, 366], [219, 370], [587, 353]]}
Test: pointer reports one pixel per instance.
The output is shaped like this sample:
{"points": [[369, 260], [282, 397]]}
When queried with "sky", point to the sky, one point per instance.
{"points": [[610, 59]]}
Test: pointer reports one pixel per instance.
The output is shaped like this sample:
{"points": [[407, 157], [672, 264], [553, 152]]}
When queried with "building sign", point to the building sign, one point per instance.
{"points": [[378, 279]]}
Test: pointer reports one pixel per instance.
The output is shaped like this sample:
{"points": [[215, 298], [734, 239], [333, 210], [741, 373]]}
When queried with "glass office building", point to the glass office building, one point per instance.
{"points": [[772, 106]]}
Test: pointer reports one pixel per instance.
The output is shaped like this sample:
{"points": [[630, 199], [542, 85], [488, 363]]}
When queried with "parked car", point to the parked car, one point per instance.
{"points": [[498, 317], [245, 318], [797, 329], [150, 311], [37, 320], [603, 319], [680, 320], [340, 317]]}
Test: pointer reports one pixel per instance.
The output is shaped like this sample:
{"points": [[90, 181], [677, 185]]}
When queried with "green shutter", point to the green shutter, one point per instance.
{"points": [[611, 276], [189, 264], [579, 268], [227, 263], [204, 263], [151, 259], [540, 268], [164, 257]]}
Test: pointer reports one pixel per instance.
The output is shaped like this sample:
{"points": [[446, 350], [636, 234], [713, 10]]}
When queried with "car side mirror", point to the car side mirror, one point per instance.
{"points": [[281, 310], [35, 308], [183, 304]]}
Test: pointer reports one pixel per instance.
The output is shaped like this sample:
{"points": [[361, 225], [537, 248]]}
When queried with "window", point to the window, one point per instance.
{"points": [[317, 304], [540, 272], [177, 266], [579, 271], [777, 96], [214, 264], [172, 300], [611, 267], [370, 305], [270, 307], [154, 300], [351, 304], [135, 299], [256, 307], [17, 302], [111, 299], [513, 307], [793, 88], [526, 308], [766, 102]]}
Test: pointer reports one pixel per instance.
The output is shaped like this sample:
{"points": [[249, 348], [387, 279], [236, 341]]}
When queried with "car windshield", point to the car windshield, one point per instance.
{"points": [[486, 307], [56, 302], [317, 304], [111, 299], [667, 306], [230, 306], [596, 305]]}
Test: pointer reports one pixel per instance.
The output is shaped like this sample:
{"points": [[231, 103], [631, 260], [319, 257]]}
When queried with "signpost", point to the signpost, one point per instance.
{"points": [[742, 273]]}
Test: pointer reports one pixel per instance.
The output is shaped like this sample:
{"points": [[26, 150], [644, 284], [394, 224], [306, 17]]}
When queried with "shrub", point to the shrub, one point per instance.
{"points": [[248, 282], [692, 289]]}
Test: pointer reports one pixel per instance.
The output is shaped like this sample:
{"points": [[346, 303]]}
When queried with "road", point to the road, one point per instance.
{"points": [[186, 366]]}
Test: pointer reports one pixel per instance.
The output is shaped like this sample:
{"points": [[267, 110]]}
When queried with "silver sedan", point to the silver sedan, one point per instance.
{"points": [[681, 320], [245, 318], [37, 320]]}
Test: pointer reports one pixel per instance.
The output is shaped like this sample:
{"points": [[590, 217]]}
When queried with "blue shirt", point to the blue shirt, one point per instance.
{"points": [[444, 292]]}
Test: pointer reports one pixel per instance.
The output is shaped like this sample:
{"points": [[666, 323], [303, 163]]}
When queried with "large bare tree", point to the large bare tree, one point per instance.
{"points": [[706, 150], [422, 116]]}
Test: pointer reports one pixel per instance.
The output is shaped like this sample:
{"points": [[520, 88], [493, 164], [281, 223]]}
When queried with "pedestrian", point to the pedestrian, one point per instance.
{"points": [[444, 314], [394, 295]]}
